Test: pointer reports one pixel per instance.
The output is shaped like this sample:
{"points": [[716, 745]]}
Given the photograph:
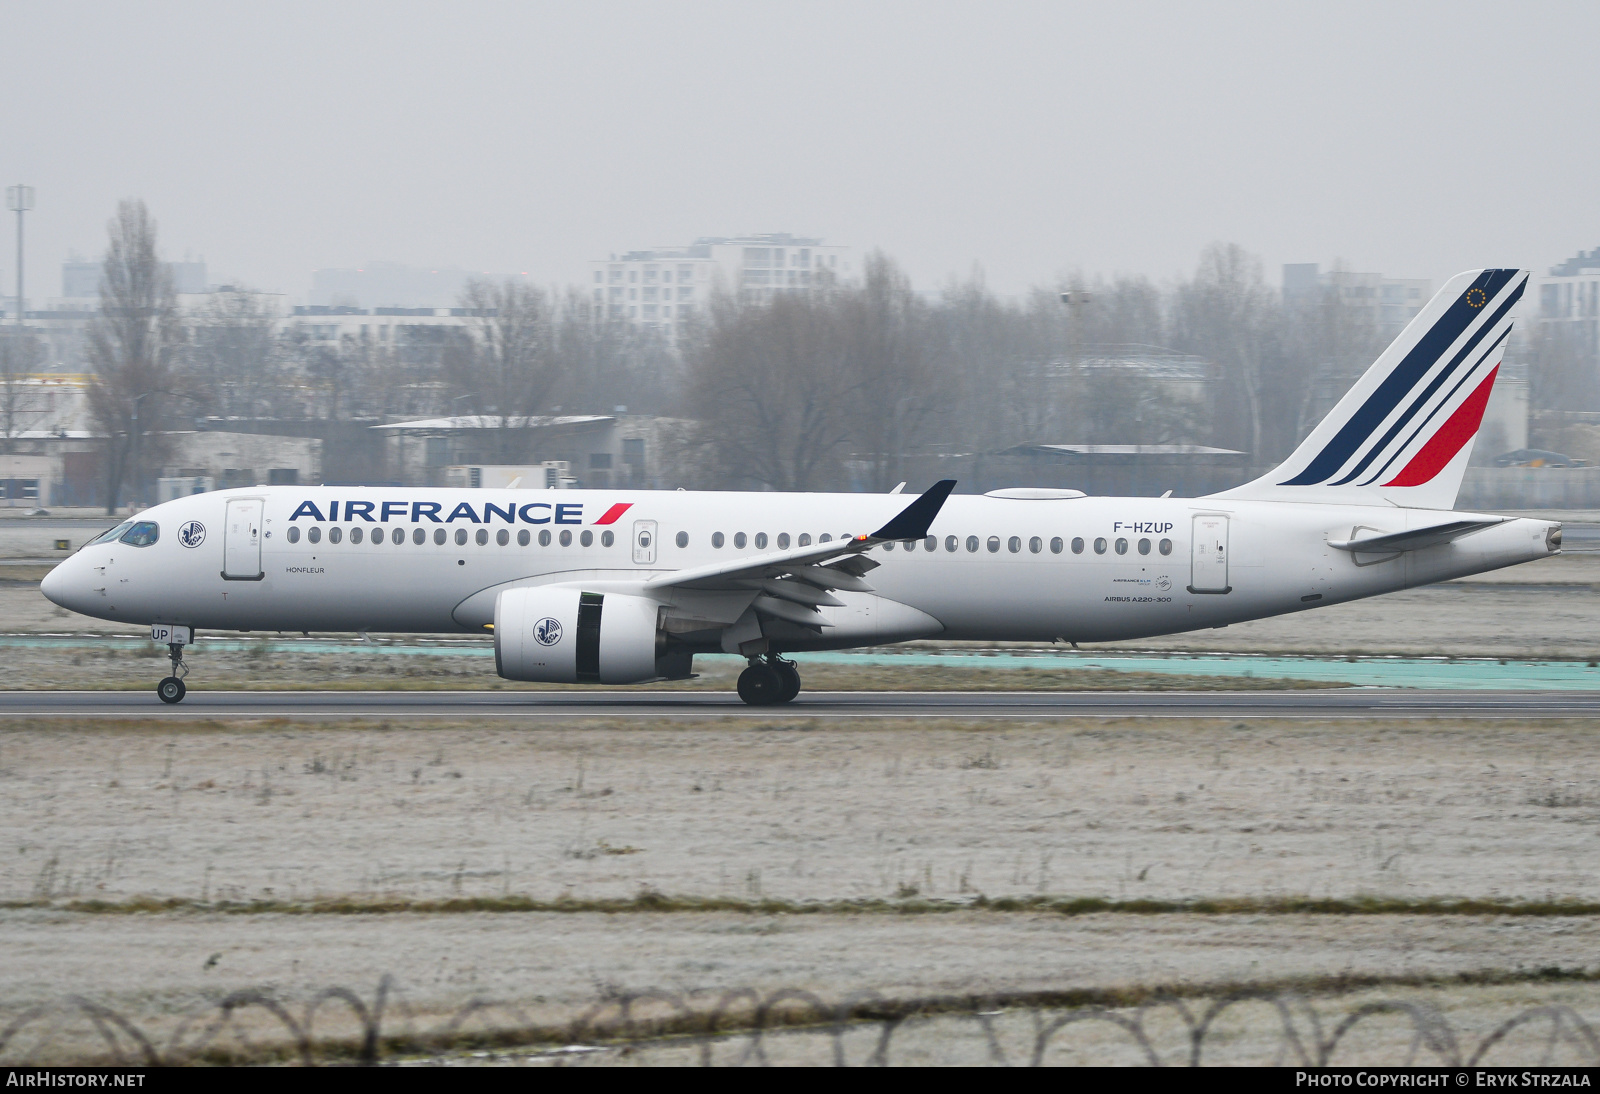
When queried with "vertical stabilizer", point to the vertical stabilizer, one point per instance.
{"points": [[1403, 434]]}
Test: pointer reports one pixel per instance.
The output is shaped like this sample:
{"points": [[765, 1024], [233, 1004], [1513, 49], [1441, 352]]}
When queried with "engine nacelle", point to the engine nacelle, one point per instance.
{"points": [[567, 636]]}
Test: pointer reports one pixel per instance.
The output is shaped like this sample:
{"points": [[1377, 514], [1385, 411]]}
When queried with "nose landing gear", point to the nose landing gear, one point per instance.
{"points": [[770, 682], [172, 689]]}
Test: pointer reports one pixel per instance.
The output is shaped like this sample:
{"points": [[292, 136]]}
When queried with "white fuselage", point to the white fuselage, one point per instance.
{"points": [[1242, 560]]}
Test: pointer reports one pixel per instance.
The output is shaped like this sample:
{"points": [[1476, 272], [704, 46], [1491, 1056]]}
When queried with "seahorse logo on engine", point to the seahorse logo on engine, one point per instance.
{"points": [[547, 632]]}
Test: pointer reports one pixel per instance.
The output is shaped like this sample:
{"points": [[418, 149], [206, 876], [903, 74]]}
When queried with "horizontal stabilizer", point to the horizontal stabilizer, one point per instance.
{"points": [[1417, 538]]}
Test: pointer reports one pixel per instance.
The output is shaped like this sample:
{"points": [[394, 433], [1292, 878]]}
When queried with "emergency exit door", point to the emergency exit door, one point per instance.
{"points": [[1208, 555], [644, 542], [241, 540]]}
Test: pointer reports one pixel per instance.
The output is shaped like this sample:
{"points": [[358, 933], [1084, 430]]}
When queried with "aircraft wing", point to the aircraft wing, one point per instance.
{"points": [[1416, 538], [792, 584]]}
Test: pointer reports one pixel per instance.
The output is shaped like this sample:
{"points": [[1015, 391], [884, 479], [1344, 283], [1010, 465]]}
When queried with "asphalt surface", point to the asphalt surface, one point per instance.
{"points": [[617, 703]]}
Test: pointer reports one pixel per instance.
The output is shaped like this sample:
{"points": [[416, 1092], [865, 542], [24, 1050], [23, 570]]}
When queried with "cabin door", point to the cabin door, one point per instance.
{"points": [[1208, 555], [241, 540]]}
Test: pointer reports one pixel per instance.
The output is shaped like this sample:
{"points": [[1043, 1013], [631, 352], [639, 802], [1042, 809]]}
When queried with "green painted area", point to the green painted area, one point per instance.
{"points": [[1485, 674]]}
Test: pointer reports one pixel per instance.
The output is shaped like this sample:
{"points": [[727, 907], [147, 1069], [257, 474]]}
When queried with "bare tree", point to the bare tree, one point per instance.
{"points": [[237, 355], [508, 370], [896, 386], [135, 343], [606, 363], [21, 354], [770, 388], [1562, 379], [1222, 315], [1325, 344]]}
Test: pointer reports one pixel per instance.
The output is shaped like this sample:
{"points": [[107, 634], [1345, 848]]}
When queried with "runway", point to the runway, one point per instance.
{"points": [[625, 703]]}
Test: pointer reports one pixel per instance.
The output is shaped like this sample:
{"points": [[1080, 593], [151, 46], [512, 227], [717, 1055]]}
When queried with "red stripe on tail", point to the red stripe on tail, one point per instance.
{"points": [[611, 515], [1451, 438]]}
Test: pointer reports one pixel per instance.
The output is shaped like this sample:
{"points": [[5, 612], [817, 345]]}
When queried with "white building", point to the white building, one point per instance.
{"points": [[388, 327], [666, 287], [1392, 301], [1571, 296]]}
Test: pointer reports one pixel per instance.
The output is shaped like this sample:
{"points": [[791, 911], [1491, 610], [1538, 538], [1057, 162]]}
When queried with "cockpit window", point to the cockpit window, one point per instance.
{"points": [[110, 534], [142, 534]]}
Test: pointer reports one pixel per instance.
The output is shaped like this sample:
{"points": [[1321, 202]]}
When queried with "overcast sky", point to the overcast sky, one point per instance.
{"points": [[1023, 138]]}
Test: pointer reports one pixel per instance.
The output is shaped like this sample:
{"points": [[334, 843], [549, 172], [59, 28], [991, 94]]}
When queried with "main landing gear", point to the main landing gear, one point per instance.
{"points": [[171, 689], [769, 682]]}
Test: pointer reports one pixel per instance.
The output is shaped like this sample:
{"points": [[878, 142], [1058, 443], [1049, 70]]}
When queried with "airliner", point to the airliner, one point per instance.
{"points": [[618, 587]]}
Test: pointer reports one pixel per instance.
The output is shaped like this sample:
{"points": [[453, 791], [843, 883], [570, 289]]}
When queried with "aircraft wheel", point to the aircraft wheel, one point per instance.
{"points": [[760, 685], [171, 690], [789, 676]]}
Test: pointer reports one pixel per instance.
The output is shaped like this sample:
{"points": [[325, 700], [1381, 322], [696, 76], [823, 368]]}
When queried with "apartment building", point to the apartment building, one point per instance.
{"points": [[664, 288], [1392, 301], [1570, 296]]}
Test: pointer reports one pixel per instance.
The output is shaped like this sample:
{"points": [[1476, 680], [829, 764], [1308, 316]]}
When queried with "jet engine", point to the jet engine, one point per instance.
{"points": [[567, 636]]}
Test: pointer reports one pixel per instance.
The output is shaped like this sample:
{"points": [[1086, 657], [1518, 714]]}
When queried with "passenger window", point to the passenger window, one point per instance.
{"points": [[739, 540], [439, 536], [1014, 544], [1122, 546], [461, 537], [889, 546], [502, 537], [1144, 546], [482, 537], [357, 535], [335, 534], [1036, 545], [994, 544], [566, 539], [1077, 545], [930, 544], [682, 540], [972, 544], [544, 537], [951, 543], [1166, 546], [783, 541], [804, 540], [761, 541], [419, 536], [1100, 546], [523, 536], [314, 534], [397, 536], [606, 537], [1056, 545], [586, 539], [717, 540], [293, 534], [824, 538]]}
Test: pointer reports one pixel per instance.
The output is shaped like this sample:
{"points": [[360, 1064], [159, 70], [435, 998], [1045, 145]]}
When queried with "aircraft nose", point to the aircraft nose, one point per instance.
{"points": [[57, 584]]}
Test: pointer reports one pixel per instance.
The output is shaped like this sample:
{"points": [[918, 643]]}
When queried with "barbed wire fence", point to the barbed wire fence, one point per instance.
{"points": [[743, 1027]]}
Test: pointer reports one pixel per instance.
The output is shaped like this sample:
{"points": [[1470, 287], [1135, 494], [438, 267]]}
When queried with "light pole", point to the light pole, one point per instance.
{"points": [[19, 199]]}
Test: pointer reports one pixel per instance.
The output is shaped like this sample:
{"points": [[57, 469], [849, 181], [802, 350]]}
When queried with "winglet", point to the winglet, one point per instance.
{"points": [[914, 520]]}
